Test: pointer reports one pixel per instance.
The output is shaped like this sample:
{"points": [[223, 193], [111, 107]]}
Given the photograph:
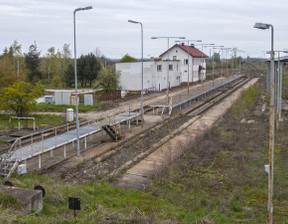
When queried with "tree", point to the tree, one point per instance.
{"points": [[12, 66], [8, 75], [107, 79], [128, 58], [66, 55], [216, 57], [56, 81], [69, 76], [32, 62], [88, 68], [20, 97], [49, 58]]}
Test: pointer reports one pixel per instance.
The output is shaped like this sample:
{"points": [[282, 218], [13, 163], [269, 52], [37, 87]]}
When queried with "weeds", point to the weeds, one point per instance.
{"points": [[45, 120]]}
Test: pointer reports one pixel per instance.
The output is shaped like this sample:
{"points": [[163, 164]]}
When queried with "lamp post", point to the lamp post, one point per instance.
{"points": [[168, 38], [264, 26], [221, 58], [240, 68], [188, 42], [203, 45], [142, 112], [213, 47], [227, 55], [278, 97], [75, 70]]}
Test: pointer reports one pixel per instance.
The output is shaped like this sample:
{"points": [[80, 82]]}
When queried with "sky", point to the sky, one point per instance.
{"points": [[223, 22]]}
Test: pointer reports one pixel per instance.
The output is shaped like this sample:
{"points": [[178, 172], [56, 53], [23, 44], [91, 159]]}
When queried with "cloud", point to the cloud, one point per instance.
{"points": [[224, 22]]}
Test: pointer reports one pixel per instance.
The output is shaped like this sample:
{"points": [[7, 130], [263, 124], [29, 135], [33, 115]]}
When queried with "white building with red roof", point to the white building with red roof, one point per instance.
{"points": [[196, 62], [156, 76]]}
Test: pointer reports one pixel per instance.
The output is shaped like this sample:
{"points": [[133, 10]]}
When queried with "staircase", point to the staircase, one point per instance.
{"points": [[113, 131], [7, 165], [7, 168]]}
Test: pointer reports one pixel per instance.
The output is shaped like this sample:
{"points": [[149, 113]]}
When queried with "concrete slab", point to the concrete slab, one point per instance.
{"points": [[31, 199], [133, 181], [146, 168]]}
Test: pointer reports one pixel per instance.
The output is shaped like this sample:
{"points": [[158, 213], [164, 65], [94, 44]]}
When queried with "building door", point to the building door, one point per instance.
{"points": [[159, 86]]}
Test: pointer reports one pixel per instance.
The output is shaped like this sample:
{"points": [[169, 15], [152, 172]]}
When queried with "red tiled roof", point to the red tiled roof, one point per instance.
{"points": [[193, 51]]}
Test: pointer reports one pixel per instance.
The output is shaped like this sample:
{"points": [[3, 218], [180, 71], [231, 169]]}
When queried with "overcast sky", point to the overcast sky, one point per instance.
{"points": [[223, 22]]}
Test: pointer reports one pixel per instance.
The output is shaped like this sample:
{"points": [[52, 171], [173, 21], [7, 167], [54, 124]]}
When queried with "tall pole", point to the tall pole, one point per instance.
{"points": [[168, 86], [188, 62], [213, 65], [188, 42], [227, 63], [75, 71], [76, 95], [202, 46], [142, 111], [264, 26], [221, 57], [278, 92], [213, 47], [168, 38], [271, 135]]}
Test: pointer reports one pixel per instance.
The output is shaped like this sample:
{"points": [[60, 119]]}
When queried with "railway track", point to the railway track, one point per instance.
{"points": [[113, 163]]}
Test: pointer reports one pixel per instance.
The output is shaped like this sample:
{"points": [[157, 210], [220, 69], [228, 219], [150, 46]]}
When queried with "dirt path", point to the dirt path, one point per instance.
{"points": [[139, 176]]}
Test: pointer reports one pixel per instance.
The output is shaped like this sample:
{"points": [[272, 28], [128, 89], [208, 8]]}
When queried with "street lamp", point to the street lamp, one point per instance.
{"points": [[168, 38], [75, 70], [203, 45], [264, 26], [213, 47], [279, 90], [142, 112], [188, 42], [227, 55], [240, 55]]}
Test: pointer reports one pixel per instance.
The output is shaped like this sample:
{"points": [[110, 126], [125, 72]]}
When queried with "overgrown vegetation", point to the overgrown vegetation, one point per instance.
{"points": [[222, 179], [44, 107], [45, 120], [248, 98]]}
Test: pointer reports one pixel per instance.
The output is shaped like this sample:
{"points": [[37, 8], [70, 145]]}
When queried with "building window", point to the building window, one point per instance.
{"points": [[159, 68], [174, 58], [176, 51], [177, 68], [185, 61], [170, 67]]}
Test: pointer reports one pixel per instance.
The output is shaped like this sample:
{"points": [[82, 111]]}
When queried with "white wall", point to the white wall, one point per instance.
{"points": [[130, 75], [174, 75]]}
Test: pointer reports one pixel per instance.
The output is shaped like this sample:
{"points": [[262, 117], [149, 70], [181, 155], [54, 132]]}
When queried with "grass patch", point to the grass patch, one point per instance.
{"points": [[99, 203], [43, 120], [246, 101], [9, 201], [62, 108]]}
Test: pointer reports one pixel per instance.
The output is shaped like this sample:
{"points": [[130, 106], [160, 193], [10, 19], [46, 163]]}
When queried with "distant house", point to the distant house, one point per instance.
{"points": [[197, 61], [156, 72]]}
